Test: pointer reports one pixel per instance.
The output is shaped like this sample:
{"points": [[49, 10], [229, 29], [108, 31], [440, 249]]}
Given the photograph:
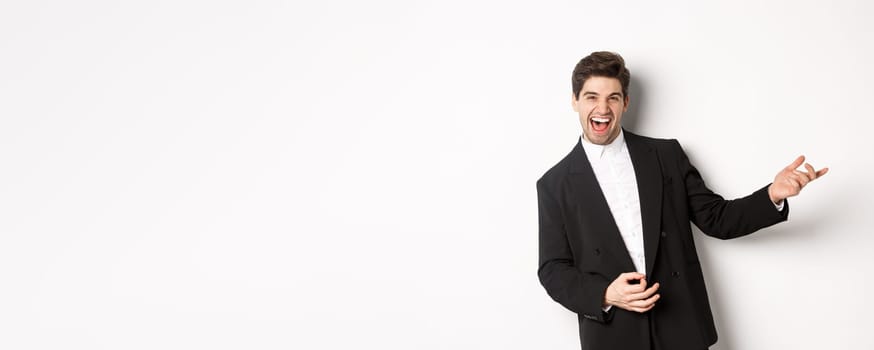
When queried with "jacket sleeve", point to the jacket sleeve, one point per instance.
{"points": [[726, 219], [579, 292]]}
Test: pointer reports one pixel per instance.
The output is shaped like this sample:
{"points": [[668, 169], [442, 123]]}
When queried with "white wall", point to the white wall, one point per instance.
{"points": [[347, 174]]}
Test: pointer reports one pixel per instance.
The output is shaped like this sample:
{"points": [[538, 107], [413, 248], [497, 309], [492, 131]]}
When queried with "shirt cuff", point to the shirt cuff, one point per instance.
{"points": [[781, 205]]}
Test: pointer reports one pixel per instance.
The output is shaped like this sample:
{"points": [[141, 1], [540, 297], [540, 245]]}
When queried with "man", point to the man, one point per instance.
{"points": [[616, 246]]}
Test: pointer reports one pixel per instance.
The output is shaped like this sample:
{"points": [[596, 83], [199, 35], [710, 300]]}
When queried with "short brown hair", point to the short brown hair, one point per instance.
{"points": [[600, 64]]}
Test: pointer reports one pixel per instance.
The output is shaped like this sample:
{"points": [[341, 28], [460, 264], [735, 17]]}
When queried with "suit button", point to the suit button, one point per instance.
{"points": [[597, 251], [675, 274], [664, 234]]}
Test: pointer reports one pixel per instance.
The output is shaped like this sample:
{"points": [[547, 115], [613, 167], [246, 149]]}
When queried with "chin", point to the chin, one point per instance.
{"points": [[602, 139]]}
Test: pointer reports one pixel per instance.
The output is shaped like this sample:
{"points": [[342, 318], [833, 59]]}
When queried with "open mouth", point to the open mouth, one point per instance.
{"points": [[600, 125]]}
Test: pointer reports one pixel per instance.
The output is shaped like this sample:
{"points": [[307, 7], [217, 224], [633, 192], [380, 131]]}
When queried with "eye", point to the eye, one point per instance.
{"points": [[590, 97], [614, 98]]}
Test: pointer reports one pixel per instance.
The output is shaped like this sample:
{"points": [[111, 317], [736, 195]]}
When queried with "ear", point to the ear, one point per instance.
{"points": [[574, 101], [627, 102]]}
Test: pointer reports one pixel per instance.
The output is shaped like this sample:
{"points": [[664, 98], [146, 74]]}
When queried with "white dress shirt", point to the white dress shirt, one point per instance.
{"points": [[615, 173]]}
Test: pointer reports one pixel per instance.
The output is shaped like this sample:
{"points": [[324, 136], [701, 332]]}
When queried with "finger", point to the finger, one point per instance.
{"points": [[799, 182], [644, 303], [645, 294], [647, 309], [631, 289], [800, 177], [640, 310], [642, 306], [638, 287], [796, 163], [651, 300], [821, 172], [628, 276], [811, 173]]}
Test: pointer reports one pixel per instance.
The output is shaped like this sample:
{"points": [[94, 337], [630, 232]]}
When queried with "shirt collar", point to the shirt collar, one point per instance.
{"points": [[595, 152]]}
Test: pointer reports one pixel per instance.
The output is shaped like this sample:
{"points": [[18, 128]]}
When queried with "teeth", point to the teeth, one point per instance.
{"points": [[601, 120]]}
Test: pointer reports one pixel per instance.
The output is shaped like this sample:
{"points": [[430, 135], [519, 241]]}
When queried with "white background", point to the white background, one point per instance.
{"points": [[360, 174]]}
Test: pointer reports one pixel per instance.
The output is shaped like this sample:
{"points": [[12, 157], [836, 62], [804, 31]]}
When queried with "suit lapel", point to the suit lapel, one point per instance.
{"points": [[648, 173], [594, 210]]}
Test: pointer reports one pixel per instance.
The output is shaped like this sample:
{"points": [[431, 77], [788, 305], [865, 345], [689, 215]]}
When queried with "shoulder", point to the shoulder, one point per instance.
{"points": [[651, 141], [558, 172], [662, 145]]}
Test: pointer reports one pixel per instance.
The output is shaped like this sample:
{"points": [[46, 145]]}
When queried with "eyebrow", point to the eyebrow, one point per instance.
{"points": [[585, 93]]}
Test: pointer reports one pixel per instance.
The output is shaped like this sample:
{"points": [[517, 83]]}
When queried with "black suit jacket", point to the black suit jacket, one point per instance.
{"points": [[582, 251]]}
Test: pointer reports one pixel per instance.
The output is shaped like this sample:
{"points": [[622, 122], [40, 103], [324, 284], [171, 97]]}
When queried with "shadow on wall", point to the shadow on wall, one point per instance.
{"points": [[632, 120]]}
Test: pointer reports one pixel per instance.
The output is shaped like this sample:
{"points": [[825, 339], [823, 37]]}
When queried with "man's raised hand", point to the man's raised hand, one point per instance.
{"points": [[790, 180]]}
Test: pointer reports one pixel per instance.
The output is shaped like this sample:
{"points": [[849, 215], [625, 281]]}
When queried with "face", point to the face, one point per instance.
{"points": [[600, 106]]}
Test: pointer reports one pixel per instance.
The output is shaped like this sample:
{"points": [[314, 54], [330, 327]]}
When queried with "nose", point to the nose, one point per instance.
{"points": [[601, 108]]}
